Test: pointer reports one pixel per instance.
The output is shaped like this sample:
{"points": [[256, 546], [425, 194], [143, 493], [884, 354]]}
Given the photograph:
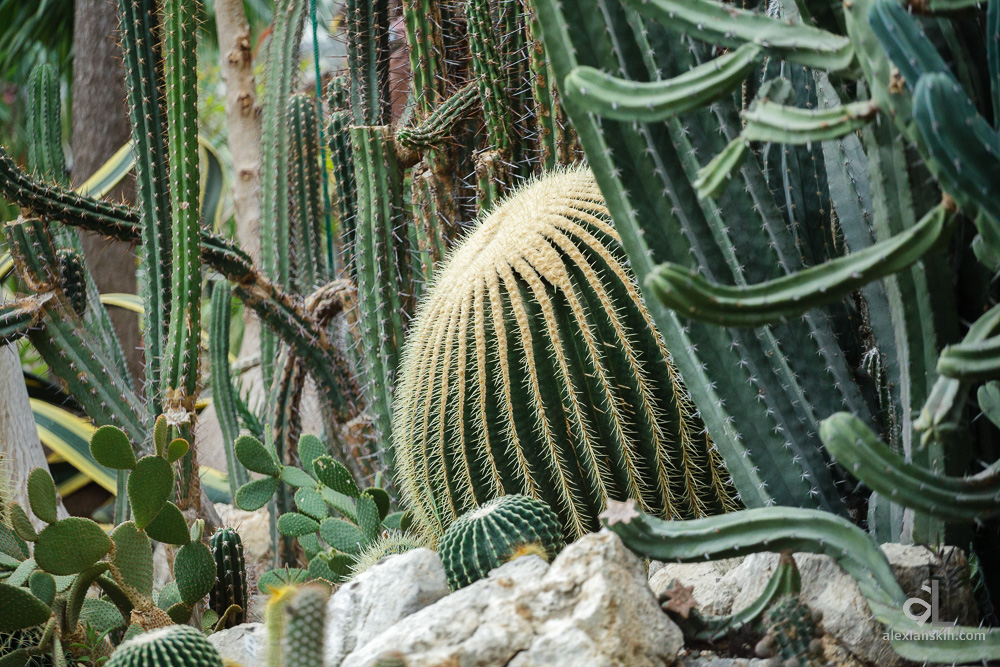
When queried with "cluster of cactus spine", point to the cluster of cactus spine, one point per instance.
{"points": [[495, 533], [793, 634], [538, 299], [296, 625]]}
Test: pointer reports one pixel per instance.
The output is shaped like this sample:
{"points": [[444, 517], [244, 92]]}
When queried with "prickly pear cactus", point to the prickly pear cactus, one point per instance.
{"points": [[793, 634], [533, 367], [175, 646], [230, 577], [497, 532]]}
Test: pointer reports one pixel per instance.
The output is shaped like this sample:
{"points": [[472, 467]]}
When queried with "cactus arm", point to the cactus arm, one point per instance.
{"points": [[768, 121], [342, 159], [904, 41], [180, 377], [755, 530], [793, 294], [722, 24], [18, 317], [437, 127], [45, 150], [858, 449], [423, 34], [546, 104], [149, 136], [368, 59], [971, 362], [714, 177], [621, 99], [222, 384]]}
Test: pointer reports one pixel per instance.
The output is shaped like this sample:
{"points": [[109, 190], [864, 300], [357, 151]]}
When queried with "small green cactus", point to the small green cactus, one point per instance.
{"points": [[793, 633], [230, 577], [392, 542], [498, 532], [175, 646], [306, 626]]}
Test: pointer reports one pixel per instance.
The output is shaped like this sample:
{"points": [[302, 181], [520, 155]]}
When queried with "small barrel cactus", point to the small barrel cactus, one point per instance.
{"points": [[533, 367], [174, 646], [499, 531], [230, 576], [793, 634], [305, 627]]}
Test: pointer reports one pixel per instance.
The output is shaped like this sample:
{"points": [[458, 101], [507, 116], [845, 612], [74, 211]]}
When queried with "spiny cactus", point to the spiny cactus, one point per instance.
{"points": [[495, 533], [176, 646], [305, 629], [793, 633], [533, 367], [390, 543], [230, 588]]}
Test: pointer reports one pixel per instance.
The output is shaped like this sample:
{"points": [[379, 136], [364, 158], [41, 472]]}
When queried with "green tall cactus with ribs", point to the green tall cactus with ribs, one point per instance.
{"points": [[721, 175]]}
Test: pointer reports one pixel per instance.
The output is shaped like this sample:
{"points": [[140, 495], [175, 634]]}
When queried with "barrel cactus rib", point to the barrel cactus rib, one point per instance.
{"points": [[543, 291]]}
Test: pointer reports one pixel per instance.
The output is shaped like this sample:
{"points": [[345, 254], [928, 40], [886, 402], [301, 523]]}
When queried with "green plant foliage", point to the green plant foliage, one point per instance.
{"points": [[230, 588], [70, 546], [111, 447], [42, 495], [176, 646]]}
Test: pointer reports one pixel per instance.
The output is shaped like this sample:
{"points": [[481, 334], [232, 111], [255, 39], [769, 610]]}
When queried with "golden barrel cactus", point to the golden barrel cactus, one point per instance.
{"points": [[533, 367]]}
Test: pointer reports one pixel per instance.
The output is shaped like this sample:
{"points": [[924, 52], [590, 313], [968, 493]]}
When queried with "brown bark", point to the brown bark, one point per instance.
{"points": [[101, 127]]}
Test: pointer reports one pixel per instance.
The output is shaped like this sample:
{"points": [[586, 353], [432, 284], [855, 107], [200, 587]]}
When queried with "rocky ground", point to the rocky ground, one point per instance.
{"points": [[596, 604]]}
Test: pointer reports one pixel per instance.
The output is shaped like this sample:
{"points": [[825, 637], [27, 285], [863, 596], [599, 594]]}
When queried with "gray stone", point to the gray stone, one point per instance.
{"points": [[592, 606], [378, 598], [916, 566], [704, 577], [245, 644]]}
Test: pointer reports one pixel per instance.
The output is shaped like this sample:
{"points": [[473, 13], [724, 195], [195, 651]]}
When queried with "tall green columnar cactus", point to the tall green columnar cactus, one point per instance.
{"points": [[230, 589], [223, 391], [306, 182], [280, 75], [368, 58], [533, 367], [147, 111], [45, 149], [180, 375], [382, 265], [341, 157]]}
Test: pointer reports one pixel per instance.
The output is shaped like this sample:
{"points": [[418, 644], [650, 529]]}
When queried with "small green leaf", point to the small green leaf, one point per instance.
{"points": [[169, 596], [254, 495], [149, 487], [194, 571], [333, 474], [160, 434], [42, 495], [310, 449], [310, 544], [319, 568], [297, 477], [70, 546], [111, 447], [311, 503], [21, 523], [197, 528], [293, 524], [176, 449], [254, 456], [381, 498], [169, 526], [342, 535], [180, 613], [20, 575], [43, 586], [20, 609], [341, 564]]}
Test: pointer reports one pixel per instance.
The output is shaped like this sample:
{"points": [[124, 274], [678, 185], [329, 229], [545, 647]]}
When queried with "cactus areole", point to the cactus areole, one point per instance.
{"points": [[533, 367]]}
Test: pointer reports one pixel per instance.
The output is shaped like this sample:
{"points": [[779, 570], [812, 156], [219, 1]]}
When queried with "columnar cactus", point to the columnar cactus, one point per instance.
{"points": [[230, 587], [533, 367], [495, 533]]}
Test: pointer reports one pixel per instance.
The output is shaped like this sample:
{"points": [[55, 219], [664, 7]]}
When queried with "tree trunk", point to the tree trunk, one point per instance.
{"points": [[101, 127], [20, 450]]}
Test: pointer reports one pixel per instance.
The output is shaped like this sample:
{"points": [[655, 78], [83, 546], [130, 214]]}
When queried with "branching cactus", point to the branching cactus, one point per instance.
{"points": [[533, 367]]}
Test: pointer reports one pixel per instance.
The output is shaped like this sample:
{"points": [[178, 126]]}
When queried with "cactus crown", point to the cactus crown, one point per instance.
{"points": [[533, 367]]}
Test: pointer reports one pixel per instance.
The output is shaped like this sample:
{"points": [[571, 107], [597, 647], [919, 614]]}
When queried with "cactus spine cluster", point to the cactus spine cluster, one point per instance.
{"points": [[793, 634], [532, 367], [495, 533]]}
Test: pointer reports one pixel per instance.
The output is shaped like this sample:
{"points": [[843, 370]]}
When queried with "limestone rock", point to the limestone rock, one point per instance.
{"points": [[244, 644], [376, 599], [592, 606]]}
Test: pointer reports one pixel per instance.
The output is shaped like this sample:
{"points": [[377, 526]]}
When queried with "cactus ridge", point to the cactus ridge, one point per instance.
{"points": [[499, 531], [437, 127], [174, 646], [230, 576], [530, 302]]}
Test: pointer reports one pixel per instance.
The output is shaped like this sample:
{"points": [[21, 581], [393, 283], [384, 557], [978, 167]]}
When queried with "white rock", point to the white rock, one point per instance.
{"points": [[591, 607], [245, 644], [705, 577], [376, 599]]}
